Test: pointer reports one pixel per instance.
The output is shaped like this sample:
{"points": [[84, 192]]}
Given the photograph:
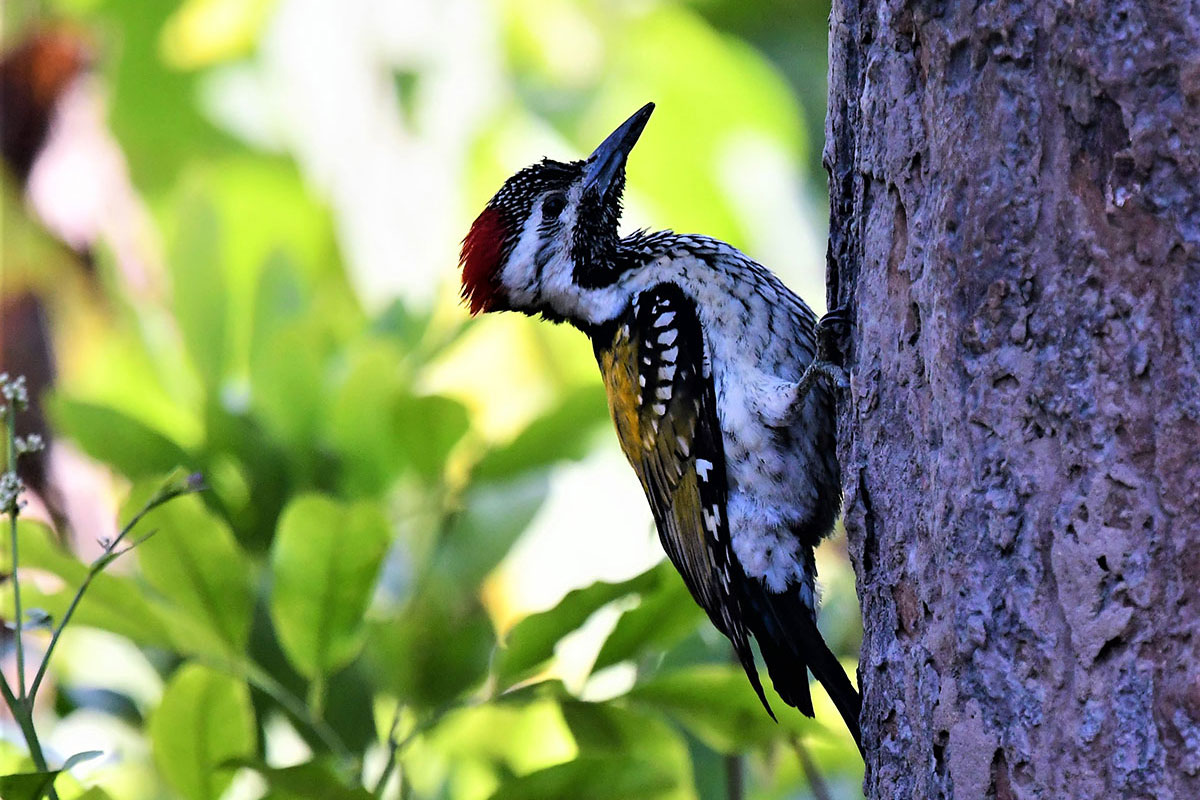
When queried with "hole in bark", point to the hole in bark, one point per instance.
{"points": [[905, 601], [914, 324], [1102, 562], [899, 230], [959, 64], [1102, 138], [870, 541], [1109, 648], [985, 51], [1005, 383], [1000, 787], [939, 751]]}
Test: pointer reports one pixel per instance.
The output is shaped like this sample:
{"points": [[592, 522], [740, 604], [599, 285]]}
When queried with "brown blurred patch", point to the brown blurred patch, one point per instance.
{"points": [[33, 76]]}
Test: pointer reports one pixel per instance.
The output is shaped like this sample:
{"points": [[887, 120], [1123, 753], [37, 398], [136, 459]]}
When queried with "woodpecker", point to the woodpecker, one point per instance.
{"points": [[721, 386]]}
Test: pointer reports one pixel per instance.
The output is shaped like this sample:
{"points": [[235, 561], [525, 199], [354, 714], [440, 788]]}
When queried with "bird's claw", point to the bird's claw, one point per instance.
{"points": [[837, 377], [829, 331]]}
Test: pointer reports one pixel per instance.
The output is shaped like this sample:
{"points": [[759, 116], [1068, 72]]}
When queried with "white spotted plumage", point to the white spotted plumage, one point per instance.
{"points": [[719, 347]]}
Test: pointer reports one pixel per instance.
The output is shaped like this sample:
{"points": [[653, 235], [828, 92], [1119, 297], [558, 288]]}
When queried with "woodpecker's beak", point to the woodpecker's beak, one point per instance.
{"points": [[606, 161]]}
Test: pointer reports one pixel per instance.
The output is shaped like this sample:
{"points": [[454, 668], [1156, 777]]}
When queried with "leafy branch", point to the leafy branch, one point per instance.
{"points": [[14, 398]]}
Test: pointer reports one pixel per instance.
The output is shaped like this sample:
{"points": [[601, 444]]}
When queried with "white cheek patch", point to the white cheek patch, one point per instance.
{"points": [[557, 274], [520, 270]]}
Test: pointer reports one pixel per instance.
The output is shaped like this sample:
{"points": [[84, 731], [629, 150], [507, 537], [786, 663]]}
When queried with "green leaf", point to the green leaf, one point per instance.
{"points": [[111, 603], [128, 445], [204, 720], [427, 428], [324, 562], [34, 785], [665, 615], [312, 780], [613, 729], [94, 793], [79, 758], [481, 534], [435, 649], [531, 642], [251, 471], [381, 428], [591, 778], [359, 419], [279, 299], [503, 739], [198, 287], [409, 327], [288, 350], [27, 785], [287, 379], [154, 113], [271, 216], [716, 703], [194, 562], [560, 435]]}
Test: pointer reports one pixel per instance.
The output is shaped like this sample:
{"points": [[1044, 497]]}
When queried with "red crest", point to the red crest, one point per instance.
{"points": [[480, 259]]}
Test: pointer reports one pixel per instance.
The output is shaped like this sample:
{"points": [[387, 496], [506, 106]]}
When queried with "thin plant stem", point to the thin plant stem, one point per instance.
{"points": [[397, 746], [433, 719], [18, 623], [811, 773], [110, 554], [735, 783], [23, 714], [17, 707], [97, 567], [316, 697], [19, 704], [264, 682], [393, 747]]}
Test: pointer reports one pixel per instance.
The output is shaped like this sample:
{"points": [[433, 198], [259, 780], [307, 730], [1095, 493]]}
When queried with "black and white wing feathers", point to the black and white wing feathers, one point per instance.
{"points": [[664, 404]]}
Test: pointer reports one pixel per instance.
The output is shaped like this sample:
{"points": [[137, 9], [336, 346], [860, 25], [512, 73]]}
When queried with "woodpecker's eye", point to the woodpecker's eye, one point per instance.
{"points": [[553, 205]]}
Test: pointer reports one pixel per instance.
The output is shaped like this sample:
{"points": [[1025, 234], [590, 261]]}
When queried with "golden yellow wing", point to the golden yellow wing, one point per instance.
{"points": [[663, 403]]}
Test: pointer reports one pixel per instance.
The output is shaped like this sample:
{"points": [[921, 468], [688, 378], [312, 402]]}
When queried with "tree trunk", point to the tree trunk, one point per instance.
{"points": [[1015, 209]]}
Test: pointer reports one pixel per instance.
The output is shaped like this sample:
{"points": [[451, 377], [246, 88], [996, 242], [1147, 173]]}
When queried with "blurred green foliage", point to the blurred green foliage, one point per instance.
{"points": [[323, 609]]}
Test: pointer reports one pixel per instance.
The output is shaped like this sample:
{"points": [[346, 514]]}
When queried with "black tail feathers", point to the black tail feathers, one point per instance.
{"points": [[792, 646], [745, 655]]}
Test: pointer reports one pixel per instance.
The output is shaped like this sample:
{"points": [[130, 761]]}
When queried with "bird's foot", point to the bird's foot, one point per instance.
{"points": [[830, 332], [836, 376]]}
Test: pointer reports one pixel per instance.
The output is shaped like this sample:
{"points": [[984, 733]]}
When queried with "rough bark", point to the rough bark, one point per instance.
{"points": [[1015, 208]]}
